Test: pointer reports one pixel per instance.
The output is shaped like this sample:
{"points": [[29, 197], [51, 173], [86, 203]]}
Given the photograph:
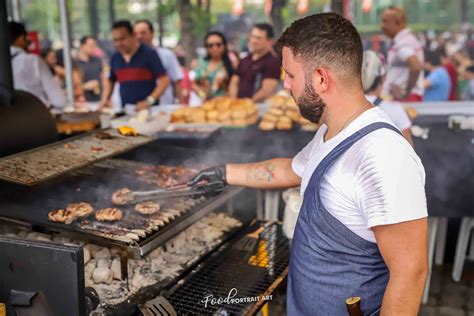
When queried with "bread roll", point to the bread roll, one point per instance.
{"points": [[277, 101], [276, 112], [238, 114], [270, 117], [209, 105], [293, 115], [224, 115], [284, 119], [266, 126], [252, 119], [212, 115], [223, 105], [284, 125]]}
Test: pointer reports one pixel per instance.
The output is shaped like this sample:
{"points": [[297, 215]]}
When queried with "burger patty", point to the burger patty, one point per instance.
{"points": [[82, 209], [61, 216], [122, 196], [147, 208], [109, 214]]}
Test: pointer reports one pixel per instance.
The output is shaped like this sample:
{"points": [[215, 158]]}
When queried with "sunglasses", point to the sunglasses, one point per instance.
{"points": [[211, 45]]}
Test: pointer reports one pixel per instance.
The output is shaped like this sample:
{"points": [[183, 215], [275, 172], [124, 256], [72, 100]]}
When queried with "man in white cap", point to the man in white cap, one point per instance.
{"points": [[373, 75]]}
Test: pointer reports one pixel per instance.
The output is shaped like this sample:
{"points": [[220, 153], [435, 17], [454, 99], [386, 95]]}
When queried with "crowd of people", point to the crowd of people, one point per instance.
{"points": [[412, 67]]}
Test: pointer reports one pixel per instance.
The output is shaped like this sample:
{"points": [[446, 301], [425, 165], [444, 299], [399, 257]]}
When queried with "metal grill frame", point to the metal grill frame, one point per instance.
{"points": [[175, 295], [85, 156]]}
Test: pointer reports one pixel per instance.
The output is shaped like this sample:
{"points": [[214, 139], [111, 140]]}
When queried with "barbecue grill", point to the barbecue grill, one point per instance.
{"points": [[135, 235]]}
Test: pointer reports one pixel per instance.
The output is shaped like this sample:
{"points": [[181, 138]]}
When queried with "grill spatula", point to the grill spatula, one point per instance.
{"points": [[249, 243]]}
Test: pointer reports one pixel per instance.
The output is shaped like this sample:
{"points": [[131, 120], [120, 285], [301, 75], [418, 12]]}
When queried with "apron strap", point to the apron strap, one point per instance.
{"points": [[377, 101]]}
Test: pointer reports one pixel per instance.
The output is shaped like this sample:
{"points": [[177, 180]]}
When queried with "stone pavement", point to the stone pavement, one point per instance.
{"points": [[448, 298]]}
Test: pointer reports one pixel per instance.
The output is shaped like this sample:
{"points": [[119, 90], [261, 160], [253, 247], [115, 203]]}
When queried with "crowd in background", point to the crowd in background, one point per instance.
{"points": [[427, 66]]}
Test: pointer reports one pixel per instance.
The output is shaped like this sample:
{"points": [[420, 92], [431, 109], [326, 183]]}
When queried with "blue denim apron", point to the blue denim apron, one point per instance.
{"points": [[329, 262]]}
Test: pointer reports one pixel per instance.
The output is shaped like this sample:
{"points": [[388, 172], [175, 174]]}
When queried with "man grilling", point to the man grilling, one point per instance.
{"points": [[362, 228]]}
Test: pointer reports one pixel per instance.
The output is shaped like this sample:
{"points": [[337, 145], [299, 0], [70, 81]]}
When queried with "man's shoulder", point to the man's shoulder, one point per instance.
{"points": [[163, 51], [116, 57], [385, 146], [148, 50]]}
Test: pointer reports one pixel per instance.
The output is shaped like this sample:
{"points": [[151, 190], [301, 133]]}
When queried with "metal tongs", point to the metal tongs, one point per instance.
{"points": [[181, 190]]}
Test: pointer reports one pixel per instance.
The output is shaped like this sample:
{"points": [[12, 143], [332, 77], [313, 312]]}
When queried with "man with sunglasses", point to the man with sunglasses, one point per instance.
{"points": [[258, 74], [30, 72]]}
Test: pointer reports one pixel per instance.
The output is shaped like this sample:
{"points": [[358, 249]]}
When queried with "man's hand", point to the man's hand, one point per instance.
{"points": [[216, 174], [105, 104], [142, 105], [91, 85]]}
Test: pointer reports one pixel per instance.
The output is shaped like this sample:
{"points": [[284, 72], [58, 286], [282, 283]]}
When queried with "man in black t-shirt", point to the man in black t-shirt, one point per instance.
{"points": [[91, 67], [258, 74]]}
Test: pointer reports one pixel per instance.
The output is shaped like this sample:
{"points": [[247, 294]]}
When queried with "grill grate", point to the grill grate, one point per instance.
{"points": [[40, 164], [136, 233], [229, 268]]}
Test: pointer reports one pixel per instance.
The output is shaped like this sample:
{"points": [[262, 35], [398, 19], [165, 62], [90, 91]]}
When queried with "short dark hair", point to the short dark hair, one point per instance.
{"points": [[267, 28], [84, 39], [433, 57], [15, 30], [329, 40], [147, 22], [125, 24]]}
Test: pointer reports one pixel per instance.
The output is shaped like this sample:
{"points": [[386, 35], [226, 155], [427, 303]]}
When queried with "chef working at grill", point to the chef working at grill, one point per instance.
{"points": [[362, 228]]}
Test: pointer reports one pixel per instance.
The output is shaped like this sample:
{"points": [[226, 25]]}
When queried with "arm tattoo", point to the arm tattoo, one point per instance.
{"points": [[261, 172]]}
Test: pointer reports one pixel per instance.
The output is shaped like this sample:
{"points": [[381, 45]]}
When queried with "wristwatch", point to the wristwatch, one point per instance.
{"points": [[151, 100]]}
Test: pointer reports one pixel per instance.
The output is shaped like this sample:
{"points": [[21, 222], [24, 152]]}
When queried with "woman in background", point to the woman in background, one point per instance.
{"points": [[212, 73]]}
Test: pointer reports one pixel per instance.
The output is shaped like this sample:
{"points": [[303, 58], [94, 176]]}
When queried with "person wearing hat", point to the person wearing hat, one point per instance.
{"points": [[373, 75]]}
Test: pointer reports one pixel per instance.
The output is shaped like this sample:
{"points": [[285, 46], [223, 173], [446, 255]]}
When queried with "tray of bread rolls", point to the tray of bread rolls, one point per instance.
{"points": [[223, 111], [283, 114]]}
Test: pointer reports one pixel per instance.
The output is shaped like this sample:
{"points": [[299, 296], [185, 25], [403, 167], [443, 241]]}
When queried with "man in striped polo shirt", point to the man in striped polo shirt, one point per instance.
{"points": [[137, 68]]}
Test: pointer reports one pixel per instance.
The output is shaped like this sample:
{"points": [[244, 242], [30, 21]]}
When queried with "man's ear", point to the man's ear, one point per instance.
{"points": [[321, 80]]}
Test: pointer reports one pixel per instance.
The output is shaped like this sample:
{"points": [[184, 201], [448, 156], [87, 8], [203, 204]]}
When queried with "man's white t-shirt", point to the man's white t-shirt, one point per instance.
{"points": [[378, 181], [404, 46], [395, 112], [173, 70], [31, 74]]}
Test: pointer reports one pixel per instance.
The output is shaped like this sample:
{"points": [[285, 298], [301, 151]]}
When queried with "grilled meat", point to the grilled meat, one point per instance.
{"points": [[82, 209], [122, 196], [103, 135], [147, 208], [109, 214], [61, 216], [165, 176]]}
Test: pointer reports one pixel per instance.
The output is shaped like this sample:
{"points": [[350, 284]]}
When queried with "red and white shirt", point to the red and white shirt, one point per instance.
{"points": [[404, 45]]}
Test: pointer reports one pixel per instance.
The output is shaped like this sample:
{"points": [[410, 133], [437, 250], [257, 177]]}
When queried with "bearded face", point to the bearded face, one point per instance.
{"points": [[310, 103]]}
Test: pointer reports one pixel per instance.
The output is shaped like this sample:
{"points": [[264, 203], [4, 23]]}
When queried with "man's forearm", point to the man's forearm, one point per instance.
{"points": [[403, 293], [160, 87], [261, 95], [412, 79], [233, 87], [108, 88], [178, 91], [270, 174]]}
